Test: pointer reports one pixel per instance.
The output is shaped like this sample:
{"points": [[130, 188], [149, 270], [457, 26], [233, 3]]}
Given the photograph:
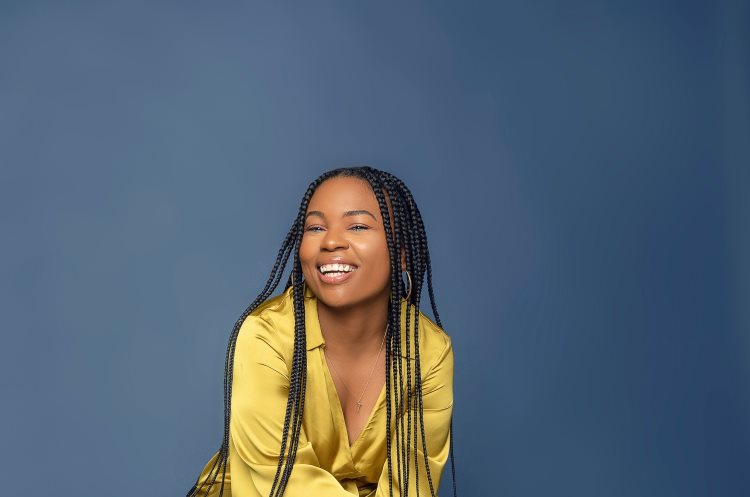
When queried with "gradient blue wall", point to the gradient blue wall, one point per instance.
{"points": [[582, 168]]}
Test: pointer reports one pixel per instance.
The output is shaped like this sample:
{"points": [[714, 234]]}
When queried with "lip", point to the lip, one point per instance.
{"points": [[335, 260], [335, 280]]}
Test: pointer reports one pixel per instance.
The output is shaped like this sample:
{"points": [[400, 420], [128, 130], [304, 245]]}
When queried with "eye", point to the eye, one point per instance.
{"points": [[312, 228], [360, 226]]}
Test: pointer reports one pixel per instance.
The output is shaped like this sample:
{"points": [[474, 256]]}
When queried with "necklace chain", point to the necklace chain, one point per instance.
{"points": [[372, 369]]}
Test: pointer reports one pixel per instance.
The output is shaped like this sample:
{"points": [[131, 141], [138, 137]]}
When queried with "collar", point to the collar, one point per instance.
{"points": [[314, 336]]}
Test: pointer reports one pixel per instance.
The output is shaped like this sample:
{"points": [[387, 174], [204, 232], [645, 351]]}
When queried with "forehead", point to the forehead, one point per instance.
{"points": [[341, 194]]}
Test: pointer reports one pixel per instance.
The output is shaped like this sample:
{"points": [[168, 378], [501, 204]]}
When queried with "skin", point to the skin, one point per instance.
{"points": [[352, 315]]}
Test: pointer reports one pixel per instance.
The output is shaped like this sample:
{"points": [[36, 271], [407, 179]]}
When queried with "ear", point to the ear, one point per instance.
{"points": [[403, 260]]}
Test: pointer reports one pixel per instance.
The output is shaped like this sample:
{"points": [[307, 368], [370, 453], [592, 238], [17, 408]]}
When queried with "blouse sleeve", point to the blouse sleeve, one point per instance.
{"points": [[259, 396], [437, 400]]}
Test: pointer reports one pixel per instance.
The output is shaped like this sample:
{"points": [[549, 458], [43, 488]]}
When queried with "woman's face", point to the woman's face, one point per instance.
{"points": [[343, 225]]}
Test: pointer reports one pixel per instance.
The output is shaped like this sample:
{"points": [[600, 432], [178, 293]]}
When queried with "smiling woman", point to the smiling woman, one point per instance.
{"points": [[312, 406]]}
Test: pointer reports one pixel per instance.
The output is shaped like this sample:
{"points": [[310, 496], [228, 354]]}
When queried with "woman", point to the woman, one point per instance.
{"points": [[315, 385]]}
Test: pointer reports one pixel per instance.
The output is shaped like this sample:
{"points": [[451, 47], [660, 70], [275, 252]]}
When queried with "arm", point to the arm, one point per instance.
{"points": [[259, 396], [437, 399]]}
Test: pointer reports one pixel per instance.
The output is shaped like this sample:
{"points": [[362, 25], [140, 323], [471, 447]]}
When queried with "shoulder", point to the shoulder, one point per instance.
{"points": [[436, 344], [268, 329], [437, 366]]}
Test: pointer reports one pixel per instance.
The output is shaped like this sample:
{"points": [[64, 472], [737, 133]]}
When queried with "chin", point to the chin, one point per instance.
{"points": [[347, 299], [337, 298]]}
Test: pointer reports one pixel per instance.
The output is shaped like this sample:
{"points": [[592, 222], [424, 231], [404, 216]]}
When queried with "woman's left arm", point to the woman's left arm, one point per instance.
{"points": [[437, 400]]}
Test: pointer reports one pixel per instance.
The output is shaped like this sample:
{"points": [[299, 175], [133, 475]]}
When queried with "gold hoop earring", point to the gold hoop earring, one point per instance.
{"points": [[410, 285]]}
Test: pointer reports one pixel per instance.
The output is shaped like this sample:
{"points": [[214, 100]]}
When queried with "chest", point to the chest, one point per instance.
{"points": [[348, 442], [358, 387]]}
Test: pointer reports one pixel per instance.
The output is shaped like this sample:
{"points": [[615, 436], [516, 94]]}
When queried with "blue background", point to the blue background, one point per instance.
{"points": [[582, 168]]}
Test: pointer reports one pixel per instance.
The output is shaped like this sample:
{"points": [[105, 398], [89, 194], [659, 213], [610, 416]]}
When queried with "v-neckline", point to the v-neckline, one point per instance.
{"points": [[312, 324], [340, 410]]}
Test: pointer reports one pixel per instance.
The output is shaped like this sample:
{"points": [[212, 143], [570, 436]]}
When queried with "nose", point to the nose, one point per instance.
{"points": [[334, 239]]}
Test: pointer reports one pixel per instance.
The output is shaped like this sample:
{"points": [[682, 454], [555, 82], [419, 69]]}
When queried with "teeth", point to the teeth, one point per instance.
{"points": [[336, 268]]}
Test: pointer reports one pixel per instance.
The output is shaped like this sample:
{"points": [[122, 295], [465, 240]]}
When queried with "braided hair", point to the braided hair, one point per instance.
{"points": [[408, 235]]}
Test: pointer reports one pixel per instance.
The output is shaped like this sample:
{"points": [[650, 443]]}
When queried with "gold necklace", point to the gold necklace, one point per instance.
{"points": [[372, 369]]}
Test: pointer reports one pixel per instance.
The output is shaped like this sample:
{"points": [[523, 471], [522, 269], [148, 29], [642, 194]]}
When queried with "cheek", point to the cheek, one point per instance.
{"points": [[306, 253], [383, 262]]}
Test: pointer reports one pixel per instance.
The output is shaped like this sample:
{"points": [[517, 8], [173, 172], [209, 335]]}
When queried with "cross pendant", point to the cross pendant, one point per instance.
{"points": [[359, 404]]}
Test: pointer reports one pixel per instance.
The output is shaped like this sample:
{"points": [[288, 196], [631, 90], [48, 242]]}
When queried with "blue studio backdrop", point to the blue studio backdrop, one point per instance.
{"points": [[582, 169]]}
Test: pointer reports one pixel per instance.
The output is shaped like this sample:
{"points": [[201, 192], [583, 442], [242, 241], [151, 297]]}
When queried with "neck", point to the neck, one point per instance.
{"points": [[355, 331]]}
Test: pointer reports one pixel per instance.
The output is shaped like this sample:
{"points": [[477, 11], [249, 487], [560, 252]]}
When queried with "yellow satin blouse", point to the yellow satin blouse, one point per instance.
{"points": [[325, 465]]}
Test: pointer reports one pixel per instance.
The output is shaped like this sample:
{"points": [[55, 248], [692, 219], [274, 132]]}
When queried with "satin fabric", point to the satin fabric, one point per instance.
{"points": [[325, 464]]}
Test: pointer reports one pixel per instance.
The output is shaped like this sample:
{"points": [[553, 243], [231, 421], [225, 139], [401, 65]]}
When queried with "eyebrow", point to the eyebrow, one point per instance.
{"points": [[345, 214]]}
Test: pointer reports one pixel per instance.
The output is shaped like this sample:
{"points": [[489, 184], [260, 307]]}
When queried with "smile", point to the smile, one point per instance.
{"points": [[335, 273]]}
